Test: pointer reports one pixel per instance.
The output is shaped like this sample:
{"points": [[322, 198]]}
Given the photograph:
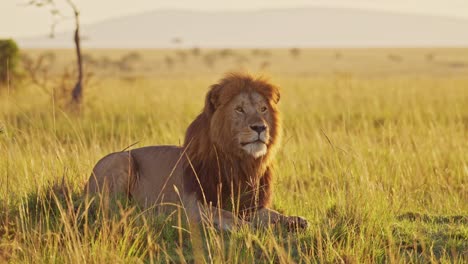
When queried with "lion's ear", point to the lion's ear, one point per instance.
{"points": [[212, 98], [276, 95]]}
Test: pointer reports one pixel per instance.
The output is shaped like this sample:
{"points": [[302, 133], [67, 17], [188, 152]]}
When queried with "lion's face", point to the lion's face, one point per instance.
{"points": [[250, 123], [244, 119]]}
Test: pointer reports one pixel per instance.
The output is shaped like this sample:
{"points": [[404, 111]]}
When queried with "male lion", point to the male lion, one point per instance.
{"points": [[222, 172]]}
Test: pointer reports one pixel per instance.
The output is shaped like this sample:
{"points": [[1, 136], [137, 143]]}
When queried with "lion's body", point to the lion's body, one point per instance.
{"points": [[149, 175], [224, 163]]}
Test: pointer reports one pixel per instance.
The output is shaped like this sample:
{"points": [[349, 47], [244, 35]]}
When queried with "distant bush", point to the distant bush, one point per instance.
{"points": [[9, 57], [430, 56], [224, 53], [295, 52], [196, 51], [261, 53], [338, 55], [169, 61], [128, 62], [395, 58]]}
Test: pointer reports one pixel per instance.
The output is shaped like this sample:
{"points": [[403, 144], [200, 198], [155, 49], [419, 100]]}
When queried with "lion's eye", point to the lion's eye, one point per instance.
{"points": [[239, 110], [263, 109]]}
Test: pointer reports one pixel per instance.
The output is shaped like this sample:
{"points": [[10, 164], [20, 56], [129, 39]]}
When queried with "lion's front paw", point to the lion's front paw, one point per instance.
{"points": [[295, 223]]}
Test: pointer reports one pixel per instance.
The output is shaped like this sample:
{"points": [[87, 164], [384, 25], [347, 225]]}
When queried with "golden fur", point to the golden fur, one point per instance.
{"points": [[223, 166]]}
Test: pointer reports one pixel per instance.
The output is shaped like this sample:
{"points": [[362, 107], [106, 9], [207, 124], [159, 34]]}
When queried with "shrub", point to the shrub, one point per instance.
{"points": [[9, 57]]}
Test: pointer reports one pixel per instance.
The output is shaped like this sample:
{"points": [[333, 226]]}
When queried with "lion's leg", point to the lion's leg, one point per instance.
{"points": [[266, 216], [113, 174], [198, 212]]}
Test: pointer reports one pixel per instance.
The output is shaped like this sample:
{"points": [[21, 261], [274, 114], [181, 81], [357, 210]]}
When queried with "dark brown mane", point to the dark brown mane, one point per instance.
{"points": [[214, 174]]}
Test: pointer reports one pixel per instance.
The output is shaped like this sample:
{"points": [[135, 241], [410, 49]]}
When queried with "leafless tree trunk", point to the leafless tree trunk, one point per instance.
{"points": [[77, 92]]}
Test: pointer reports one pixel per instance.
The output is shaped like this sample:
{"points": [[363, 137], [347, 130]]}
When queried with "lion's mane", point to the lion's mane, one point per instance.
{"points": [[212, 171]]}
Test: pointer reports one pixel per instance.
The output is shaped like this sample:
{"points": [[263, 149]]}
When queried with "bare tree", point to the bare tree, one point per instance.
{"points": [[77, 92]]}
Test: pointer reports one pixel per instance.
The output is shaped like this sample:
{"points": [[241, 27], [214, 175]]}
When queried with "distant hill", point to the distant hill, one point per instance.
{"points": [[306, 27]]}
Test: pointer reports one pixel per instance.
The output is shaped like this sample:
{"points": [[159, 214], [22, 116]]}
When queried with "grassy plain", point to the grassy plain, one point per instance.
{"points": [[374, 155]]}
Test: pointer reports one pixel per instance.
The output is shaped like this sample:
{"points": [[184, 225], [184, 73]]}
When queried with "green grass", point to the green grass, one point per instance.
{"points": [[374, 155]]}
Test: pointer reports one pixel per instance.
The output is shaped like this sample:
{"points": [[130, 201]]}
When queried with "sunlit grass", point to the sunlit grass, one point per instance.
{"points": [[377, 164]]}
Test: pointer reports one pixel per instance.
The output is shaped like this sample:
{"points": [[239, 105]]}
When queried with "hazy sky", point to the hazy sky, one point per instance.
{"points": [[17, 19]]}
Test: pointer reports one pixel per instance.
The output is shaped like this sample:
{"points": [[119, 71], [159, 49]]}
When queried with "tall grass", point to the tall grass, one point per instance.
{"points": [[377, 164]]}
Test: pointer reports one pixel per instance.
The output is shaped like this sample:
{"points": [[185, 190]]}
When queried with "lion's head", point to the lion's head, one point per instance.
{"points": [[235, 135], [244, 119]]}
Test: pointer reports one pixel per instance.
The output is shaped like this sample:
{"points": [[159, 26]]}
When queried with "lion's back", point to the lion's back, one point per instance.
{"points": [[148, 174]]}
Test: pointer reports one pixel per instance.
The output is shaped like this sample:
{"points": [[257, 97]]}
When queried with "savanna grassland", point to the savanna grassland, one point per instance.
{"points": [[374, 155]]}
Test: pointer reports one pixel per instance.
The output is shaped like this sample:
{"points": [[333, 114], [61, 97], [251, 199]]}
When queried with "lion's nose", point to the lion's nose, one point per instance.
{"points": [[258, 128]]}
